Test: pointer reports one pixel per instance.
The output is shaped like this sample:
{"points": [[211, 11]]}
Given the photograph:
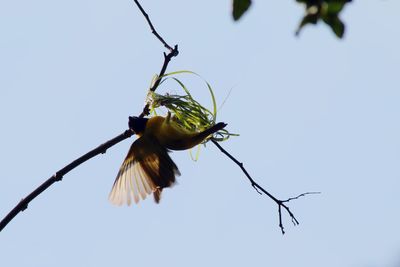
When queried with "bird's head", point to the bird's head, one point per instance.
{"points": [[137, 124]]}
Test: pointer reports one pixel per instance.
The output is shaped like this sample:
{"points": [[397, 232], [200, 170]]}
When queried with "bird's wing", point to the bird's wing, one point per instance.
{"points": [[146, 169]]}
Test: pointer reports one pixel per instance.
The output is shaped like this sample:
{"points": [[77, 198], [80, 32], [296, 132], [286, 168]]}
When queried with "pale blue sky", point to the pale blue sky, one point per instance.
{"points": [[315, 114]]}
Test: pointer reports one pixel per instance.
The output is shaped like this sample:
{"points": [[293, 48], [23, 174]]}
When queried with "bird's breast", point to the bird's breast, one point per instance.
{"points": [[169, 134]]}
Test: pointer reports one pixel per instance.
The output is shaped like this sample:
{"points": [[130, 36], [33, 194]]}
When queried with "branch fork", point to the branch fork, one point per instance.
{"points": [[259, 189]]}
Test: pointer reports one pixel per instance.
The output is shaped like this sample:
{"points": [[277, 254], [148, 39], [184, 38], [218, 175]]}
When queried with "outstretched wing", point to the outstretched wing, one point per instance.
{"points": [[146, 169]]}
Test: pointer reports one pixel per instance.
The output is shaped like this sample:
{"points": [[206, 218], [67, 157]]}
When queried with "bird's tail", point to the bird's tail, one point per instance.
{"points": [[213, 129], [193, 139]]}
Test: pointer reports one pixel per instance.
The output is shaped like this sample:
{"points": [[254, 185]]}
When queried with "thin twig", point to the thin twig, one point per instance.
{"points": [[23, 204], [301, 195], [153, 30], [167, 58], [260, 189]]}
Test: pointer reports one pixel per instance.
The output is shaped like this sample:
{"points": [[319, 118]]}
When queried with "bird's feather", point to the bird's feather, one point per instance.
{"points": [[147, 169]]}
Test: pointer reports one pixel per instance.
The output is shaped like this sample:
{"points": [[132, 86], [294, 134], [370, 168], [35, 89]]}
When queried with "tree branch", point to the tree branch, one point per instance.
{"points": [[260, 190], [173, 52], [153, 30], [23, 204]]}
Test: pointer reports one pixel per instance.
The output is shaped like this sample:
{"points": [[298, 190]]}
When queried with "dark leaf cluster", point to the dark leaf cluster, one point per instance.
{"points": [[327, 11]]}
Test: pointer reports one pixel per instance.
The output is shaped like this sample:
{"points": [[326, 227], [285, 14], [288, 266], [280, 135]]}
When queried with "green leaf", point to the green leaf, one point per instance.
{"points": [[214, 102], [239, 8], [196, 157], [335, 7], [308, 19], [336, 25]]}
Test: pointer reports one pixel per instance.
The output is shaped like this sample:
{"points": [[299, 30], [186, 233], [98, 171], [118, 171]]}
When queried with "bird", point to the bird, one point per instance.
{"points": [[148, 168]]}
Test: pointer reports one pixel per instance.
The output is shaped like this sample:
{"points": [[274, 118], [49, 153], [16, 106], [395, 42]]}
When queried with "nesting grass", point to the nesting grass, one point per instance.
{"points": [[187, 112]]}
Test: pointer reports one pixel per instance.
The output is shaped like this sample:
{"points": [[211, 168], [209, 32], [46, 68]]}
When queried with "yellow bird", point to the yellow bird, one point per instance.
{"points": [[148, 169]]}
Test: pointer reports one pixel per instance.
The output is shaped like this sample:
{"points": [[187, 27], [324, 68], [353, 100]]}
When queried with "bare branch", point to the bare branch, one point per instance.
{"points": [[23, 204], [167, 59], [173, 52], [261, 190], [153, 30]]}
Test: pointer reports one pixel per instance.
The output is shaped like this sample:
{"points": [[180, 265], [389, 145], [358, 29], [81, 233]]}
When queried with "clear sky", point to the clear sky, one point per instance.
{"points": [[315, 114]]}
